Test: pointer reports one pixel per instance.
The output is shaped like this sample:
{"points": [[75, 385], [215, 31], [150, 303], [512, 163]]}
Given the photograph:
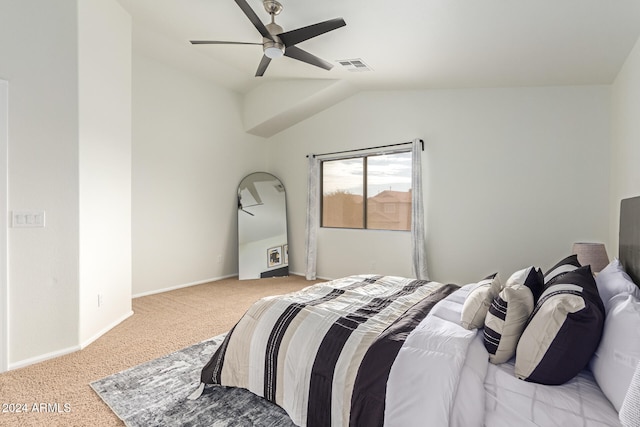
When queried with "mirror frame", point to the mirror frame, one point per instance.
{"points": [[263, 248]]}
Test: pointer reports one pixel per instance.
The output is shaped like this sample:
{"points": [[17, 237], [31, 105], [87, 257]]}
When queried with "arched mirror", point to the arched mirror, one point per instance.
{"points": [[263, 250]]}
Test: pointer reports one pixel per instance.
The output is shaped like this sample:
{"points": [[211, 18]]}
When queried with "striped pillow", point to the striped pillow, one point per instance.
{"points": [[508, 314], [532, 278], [568, 264], [564, 330], [477, 303]]}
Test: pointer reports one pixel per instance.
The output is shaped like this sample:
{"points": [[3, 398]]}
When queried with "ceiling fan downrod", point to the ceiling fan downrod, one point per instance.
{"points": [[273, 47]]}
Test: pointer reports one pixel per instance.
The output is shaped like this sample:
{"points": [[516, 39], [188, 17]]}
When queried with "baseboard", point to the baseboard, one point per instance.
{"points": [[43, 357], [186, 285], [68, 350], [106, 329], [304, 275]]}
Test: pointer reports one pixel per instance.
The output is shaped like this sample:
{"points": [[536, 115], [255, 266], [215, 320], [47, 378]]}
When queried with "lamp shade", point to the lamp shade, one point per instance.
{"points": [[593, 254]]}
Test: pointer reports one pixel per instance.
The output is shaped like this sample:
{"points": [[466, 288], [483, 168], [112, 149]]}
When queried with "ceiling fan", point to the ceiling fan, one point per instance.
{"points": [[276, 42]]}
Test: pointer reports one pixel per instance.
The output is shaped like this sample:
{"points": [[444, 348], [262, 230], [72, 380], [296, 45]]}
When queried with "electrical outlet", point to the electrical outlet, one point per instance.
{"points": [[100, 300], [28, 219], [219, 259]]}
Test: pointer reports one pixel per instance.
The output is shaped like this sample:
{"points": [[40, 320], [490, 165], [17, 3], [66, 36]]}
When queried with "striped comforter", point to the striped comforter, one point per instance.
{"points": [[325, 353]]}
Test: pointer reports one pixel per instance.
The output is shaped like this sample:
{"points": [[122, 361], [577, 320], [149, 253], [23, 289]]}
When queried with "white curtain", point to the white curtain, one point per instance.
{"points": [[313, 211], [418, 241]]}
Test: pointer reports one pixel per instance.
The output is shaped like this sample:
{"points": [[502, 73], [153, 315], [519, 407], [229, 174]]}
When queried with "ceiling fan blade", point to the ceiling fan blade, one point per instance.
{"points": [[289, 38], [254, 19], [304, 56], [264, 63], [219, 42]]}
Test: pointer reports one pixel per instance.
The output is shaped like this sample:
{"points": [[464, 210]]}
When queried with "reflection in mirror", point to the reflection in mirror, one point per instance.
{"points": [[263, 250]]}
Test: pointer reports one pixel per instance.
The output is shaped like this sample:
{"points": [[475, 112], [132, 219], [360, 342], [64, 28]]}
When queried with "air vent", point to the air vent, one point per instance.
{"points": [[355, 65]]}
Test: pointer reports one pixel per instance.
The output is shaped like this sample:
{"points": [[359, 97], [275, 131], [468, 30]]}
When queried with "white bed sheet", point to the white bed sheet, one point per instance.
{"points": [[513, 402], [486, 395]]}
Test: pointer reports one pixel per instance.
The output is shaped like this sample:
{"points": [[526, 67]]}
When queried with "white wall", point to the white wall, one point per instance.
{"points": [[189, 154], [68, 66], [105, 166], [38, 51], [512, 177], [625, 146], [4, 168]]}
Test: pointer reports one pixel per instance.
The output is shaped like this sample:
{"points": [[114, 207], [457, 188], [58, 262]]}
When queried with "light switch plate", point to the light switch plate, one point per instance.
{"points": [[28, 219]]}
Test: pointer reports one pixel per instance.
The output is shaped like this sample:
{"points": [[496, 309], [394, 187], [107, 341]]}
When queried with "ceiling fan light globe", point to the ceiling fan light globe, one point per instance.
{"points": [[273, 52]]}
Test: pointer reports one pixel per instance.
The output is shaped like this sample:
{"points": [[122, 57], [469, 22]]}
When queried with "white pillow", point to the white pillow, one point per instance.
{"points": [[630, 411], [612, 281], [477, 303], [618, 354]]}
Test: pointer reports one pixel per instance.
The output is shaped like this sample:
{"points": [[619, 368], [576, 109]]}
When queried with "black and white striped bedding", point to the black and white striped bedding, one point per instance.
{"points": [[325, 353], [373, 351]]}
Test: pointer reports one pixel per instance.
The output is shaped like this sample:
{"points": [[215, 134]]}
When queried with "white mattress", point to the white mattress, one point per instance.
{"points": [[513, 402]]}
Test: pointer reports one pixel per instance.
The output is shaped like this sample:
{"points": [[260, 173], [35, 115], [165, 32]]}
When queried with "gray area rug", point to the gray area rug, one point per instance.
{"points": [[155, 394]]}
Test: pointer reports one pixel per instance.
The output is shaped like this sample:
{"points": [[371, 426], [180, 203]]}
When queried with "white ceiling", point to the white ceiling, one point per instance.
{"points": [[408, 44]]}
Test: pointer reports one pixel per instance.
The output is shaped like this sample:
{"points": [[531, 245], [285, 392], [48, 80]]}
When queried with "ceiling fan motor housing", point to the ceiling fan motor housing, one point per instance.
{"points": [[273, 48]]}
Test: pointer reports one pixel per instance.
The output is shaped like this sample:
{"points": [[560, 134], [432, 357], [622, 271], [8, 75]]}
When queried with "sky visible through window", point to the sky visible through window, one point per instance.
{"points": [[385, 172]]}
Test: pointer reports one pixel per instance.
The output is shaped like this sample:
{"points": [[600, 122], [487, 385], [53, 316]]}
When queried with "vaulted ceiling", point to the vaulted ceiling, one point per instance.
{"points": [[406, 44]]}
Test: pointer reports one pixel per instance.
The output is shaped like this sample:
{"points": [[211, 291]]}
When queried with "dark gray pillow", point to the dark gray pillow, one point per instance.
{"points": [[563, 331]]}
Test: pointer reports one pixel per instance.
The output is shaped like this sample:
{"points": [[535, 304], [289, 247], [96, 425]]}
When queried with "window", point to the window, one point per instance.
{"points": [[369, 192]]}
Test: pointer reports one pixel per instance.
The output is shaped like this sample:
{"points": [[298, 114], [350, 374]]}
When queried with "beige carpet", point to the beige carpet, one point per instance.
{"points": [[161, 324]]}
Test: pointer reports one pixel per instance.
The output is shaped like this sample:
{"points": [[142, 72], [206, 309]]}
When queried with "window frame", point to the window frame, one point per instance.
{"points": [[365, 196]]}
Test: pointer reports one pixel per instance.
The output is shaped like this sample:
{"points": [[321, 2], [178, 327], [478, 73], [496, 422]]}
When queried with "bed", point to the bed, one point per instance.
{"points": [[546, 348]]}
